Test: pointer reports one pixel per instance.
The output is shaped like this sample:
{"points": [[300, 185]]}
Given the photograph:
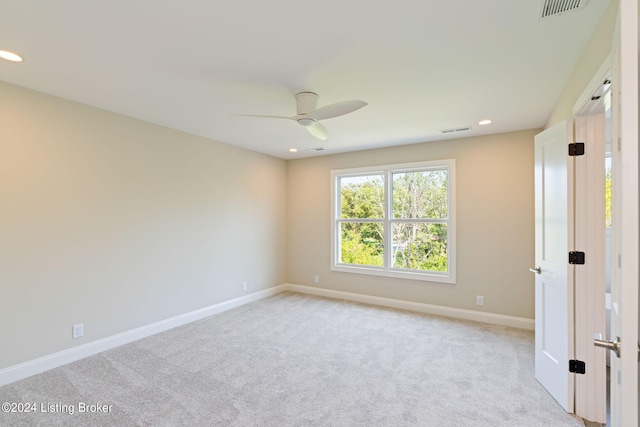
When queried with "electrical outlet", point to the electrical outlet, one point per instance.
{"points": [[78, 330], [316, 279], [244, 286], [479, 300]]}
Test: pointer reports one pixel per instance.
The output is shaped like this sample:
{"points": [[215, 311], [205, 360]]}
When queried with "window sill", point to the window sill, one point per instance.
{"points": [[395, 273]]}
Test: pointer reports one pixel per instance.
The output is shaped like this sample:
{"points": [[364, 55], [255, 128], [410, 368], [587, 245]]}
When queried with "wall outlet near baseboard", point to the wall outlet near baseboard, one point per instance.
{"points": [[316, 279], [479, 300], [77, 330], [244, 286]]}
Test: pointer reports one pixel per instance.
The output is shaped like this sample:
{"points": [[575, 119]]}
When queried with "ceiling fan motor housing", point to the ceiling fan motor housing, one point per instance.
{"points": [[306, 102]]}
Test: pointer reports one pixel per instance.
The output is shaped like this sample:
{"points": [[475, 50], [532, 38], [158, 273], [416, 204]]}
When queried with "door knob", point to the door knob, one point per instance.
{"points": [[536, 270], [611, 345]]}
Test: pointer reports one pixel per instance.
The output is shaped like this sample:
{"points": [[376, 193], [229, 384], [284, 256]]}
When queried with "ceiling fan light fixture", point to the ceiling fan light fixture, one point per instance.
{"points": [[306, 121]]}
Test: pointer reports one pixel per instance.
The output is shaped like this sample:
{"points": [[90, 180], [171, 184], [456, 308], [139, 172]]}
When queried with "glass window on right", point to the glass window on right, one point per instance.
{"points": [[395, 220]]}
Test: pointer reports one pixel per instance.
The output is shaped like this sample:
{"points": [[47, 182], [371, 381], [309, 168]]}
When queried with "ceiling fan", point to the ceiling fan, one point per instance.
{"points": [[309, 116]]}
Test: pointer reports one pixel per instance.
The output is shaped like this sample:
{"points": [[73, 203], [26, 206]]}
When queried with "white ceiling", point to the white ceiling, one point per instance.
{"points": [[422, 65]]}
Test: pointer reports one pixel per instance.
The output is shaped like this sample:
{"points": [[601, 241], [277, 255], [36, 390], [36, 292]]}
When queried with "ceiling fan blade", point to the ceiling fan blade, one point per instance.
{"points": [[264, 116], [337, 109], [318, 131]]}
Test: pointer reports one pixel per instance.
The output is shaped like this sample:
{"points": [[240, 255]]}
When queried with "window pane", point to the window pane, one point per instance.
{"points": [[420, 194], [420, 246], [362, 196], [361, 243]]}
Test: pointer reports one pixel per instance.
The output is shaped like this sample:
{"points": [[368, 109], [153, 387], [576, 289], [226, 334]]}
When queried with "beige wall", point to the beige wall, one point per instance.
{"points": [[592, 58], [117, 223], [495, 224]]}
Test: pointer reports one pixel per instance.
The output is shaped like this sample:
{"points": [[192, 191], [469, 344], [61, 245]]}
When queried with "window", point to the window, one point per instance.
{"points": [[395, 220]]}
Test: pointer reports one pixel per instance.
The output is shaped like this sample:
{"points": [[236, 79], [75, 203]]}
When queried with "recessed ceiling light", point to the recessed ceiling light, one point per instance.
{"points": [[293, 150], [485, 122], [10, 56]]}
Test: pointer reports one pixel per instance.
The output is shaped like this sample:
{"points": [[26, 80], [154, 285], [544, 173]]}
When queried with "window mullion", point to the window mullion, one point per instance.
{"points": [[388, 214]]}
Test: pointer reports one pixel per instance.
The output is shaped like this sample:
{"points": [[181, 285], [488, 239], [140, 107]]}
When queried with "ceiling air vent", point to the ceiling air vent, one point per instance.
{"points": [[557, 7], [315, 149], [462, 129]]}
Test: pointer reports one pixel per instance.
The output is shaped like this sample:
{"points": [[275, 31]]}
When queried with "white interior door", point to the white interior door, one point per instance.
{"points": [[553, 232], [624, 380]]}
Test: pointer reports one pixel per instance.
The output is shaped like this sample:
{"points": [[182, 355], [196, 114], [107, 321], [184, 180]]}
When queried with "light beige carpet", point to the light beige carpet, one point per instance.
{"points": [[297, 360]]}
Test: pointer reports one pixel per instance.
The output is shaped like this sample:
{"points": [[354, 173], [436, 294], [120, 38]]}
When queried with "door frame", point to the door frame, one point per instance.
{"points": [[589, 306], [590, 279], [625, 387], [626, 253]]}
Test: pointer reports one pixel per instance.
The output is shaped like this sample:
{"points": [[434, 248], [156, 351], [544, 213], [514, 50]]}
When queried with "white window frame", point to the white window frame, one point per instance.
{"points": [[386, 270]]}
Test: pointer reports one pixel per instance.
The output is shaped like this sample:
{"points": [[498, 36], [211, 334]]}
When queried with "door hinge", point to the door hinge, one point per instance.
{"points": [[577, 366], [576, 257], [576, 149]]}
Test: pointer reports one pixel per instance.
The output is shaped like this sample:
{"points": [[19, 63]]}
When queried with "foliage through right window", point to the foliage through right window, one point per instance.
{"points": [[396, 221]]}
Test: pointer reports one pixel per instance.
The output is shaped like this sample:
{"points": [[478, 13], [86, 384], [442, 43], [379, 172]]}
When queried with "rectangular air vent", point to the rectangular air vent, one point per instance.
{"points": [[315, 149], [556, 7], [456, 129]]}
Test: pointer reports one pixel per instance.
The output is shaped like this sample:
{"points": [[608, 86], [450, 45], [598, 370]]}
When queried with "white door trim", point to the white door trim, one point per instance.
{"points": [[590, 286], [585, 97], [629, 213]]}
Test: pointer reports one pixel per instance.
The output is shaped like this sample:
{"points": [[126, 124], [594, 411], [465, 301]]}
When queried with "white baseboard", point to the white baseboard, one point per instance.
{"points": [[45, 363], [458, 313]]}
